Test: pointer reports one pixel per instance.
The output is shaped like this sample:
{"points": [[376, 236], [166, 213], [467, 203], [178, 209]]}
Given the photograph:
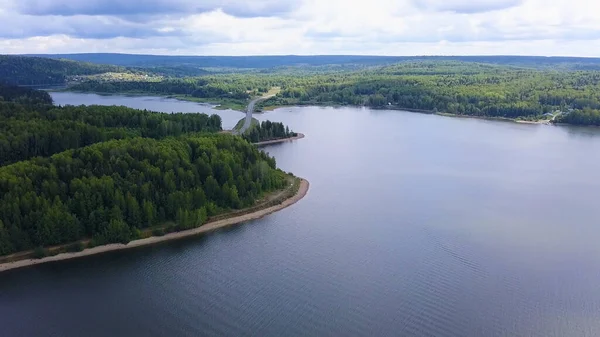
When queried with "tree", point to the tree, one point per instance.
{"points": [[134, 217], [149, 213], [116, 231], [6, 246]]}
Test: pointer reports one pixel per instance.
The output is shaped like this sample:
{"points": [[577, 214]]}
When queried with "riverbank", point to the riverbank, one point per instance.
{"points": [[234, 219]]}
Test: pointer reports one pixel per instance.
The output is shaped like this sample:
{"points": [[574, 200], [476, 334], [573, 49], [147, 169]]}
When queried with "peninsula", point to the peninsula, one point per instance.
{"points": [[76, 181]]}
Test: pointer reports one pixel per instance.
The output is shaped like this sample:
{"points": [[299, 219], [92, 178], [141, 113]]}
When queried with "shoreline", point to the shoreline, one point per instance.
{"points": [[208, 227], [270, 108], [213, 104], [281, 140]]}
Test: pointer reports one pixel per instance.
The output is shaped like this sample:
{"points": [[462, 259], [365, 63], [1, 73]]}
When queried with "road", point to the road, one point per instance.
{"points": [[249, 111]]}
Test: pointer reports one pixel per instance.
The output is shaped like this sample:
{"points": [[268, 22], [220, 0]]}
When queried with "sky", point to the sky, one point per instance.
{"points": [[302, 27]]}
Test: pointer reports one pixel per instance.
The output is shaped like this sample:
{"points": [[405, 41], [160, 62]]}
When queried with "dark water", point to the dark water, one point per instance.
{"points": [[415, 225]]}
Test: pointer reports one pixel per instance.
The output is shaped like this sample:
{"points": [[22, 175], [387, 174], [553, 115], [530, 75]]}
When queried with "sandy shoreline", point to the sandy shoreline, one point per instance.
{"points": [[282, 140], [211, 226]]}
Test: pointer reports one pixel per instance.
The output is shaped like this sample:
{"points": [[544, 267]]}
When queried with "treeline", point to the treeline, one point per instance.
{"points": [[26, 133], [580, 117], [23, 70], [268, 130], [199, 88], [451, 87], [25, 96], [268, 62], [110, 191]]}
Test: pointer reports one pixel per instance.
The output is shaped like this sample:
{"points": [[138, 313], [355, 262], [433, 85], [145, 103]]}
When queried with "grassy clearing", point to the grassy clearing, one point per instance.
{"points": [[272, 92]]}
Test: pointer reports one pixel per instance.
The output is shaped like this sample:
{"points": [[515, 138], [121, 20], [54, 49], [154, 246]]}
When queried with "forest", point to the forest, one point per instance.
{"points": [[37, 71], [27, 132], [583, 117], [24, 96], [142, 170], [266, 131], [195, 87]]}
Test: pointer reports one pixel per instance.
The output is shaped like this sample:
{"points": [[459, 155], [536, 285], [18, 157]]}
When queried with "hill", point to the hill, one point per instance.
{"points": [[35, 71], [265, 62]]}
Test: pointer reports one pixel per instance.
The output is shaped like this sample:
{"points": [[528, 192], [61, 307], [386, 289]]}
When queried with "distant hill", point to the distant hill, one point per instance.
{"points": [[263, 62], [35, 71], [25, 96]]}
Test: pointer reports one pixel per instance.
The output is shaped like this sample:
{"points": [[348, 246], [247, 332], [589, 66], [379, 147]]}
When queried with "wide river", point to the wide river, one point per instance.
{"points": [[414, 225]]}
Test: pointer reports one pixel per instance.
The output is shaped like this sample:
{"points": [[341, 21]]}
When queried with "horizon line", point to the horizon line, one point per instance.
{"points": [[304, 55]]}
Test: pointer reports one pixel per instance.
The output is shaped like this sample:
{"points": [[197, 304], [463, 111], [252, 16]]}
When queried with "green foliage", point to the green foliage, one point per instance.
{"points": [[268, 130], [158, 232], [31, 131], [25, 96], [6, 246], [143, 169], [241, 122], [194, 87], [40, 253], [76, 247], [110, 190], [23, 70], [586, 116]]}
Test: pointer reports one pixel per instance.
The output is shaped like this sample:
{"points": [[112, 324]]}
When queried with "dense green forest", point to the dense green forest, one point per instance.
{"points": [[586, 116], [24, 96], [196, 87], [40, 129], [457, 88], [268, 130], [22, 70], [111, 190], [142, 170]]}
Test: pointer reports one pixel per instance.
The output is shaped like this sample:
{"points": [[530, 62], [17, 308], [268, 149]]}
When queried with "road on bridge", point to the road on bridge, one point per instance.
{"points": [[249, 111]]}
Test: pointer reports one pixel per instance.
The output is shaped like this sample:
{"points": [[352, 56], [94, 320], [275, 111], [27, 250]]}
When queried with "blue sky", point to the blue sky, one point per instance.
{"points": [[259, 27]]}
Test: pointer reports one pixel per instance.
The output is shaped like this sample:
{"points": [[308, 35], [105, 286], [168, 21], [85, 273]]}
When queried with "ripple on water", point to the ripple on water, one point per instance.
{"points": [[412, 228]]}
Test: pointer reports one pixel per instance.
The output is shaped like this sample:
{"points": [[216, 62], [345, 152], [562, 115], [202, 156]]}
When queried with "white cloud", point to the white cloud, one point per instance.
{"points": [[466, 6], [390, 27]]}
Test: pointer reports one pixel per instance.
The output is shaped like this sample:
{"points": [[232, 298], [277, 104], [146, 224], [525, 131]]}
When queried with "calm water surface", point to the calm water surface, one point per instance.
{"points": [[230, 117], [415, 225]]}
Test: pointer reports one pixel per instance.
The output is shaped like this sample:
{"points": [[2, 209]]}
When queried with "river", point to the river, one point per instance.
{"points": [[415, 225]]}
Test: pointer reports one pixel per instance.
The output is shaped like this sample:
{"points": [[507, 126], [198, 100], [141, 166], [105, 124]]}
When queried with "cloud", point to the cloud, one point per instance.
{"points": [[80, 27], [237, 27], [466, 6], [239, 8]]}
